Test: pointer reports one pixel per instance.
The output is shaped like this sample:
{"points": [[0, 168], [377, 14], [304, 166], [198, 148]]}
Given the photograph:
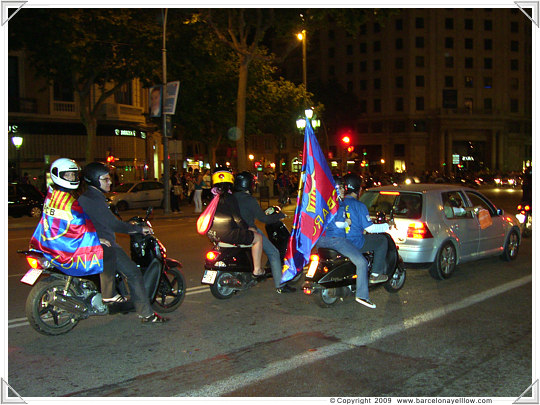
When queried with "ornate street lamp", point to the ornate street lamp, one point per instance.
{"points": [[18, 141]]}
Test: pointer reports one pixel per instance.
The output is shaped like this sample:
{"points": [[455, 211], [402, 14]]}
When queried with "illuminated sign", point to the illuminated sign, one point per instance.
{"points": [[470, 158], [125, 132]]}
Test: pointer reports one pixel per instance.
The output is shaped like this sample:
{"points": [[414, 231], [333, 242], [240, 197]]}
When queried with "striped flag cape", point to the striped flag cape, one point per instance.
{"points": [[315, 207], [67, 237]]}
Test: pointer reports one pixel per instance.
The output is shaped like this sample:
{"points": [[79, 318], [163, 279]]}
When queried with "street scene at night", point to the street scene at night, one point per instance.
{"points": [[324, 205]]}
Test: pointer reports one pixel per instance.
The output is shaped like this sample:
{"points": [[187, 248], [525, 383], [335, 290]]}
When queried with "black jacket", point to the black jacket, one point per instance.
{"points": [[250, 210], [227, 219]]}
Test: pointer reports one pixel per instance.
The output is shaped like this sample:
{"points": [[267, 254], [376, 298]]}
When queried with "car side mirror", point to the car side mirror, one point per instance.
{"points": [[500, 211]]}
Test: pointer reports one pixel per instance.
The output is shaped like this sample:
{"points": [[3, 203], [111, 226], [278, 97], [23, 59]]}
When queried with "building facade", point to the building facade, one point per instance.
{"points": [[436, 88]]}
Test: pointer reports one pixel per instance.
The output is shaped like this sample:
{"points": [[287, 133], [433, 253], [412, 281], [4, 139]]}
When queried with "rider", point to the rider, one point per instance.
{"points": [[228, 225], [94, 203], [360, 221], [244, 183], [334, 238]]}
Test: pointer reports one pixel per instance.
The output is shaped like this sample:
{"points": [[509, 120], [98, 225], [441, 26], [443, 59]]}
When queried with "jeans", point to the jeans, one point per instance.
{"points": [[377, 243], [345, 247], [197, 200], [115, 259], [273, 257]]}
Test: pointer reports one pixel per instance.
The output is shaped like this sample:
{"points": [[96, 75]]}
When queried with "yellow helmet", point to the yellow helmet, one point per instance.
{"points": [[222, 176]]}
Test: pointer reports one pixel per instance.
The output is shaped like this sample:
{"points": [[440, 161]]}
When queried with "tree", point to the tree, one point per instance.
{"points": [[89, 49]]}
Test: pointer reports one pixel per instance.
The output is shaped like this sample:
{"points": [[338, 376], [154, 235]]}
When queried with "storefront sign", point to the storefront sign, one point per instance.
{"points": [[455, 159], [125, 132]]}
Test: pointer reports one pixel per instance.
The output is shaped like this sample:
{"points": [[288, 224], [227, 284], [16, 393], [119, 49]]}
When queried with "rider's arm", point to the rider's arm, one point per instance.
{"points": [[259, 214], [378, 228]]}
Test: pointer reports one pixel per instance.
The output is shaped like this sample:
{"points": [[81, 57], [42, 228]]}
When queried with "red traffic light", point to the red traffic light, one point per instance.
{"points": [[110, 159], [346, 139], [350, 149]]}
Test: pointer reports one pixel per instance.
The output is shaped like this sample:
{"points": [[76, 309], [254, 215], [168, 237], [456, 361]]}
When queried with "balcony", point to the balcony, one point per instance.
{"points": [[22, 105], [64, 108], [122, 112]]}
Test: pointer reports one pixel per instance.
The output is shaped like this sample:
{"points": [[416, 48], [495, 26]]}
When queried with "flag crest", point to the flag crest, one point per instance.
{"points": [[316, 206], [67, 237]]}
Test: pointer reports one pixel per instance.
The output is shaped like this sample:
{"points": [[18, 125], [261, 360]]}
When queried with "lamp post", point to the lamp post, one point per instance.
{"points": [[166, 174], [17, 142], [302, 37]]}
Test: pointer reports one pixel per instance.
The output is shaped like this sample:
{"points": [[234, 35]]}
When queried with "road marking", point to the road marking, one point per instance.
{"points": [[233, 383]]}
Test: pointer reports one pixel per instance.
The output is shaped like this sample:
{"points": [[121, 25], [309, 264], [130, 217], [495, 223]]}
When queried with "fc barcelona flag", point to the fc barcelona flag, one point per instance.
{"points": [[67, 237], [316, 206]]}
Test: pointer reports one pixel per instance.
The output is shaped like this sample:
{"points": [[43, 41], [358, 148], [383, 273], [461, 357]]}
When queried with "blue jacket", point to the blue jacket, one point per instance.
{"points": [[332, 231], [359, 216]]}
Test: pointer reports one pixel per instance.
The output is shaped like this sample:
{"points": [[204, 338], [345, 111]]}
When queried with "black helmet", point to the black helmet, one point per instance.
{"points": [[244, 181], [93, 171], [352, 183]]}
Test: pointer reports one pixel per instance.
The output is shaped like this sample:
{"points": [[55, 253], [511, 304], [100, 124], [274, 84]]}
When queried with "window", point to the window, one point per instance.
{"points": [[449, 43], [363, 106], [377, 105], [419, 103], [488, 104], [399, 107], [488, 82], [454, 205], [376, 27], [420, 81], [377, 127], [419, 22], [488, 44], [377, 46], [488, 25], [468, 81], [449, 23], [449, 98], [63, 91], [399, 24], [331, 52], [399, 63], [399, 43], [448, 81], [349, 67], [332, 70], [377, 84], [350, 87], [514, 27], [363, 29], [363, 66], [468, 43], [377, 64], [478, 201], [363, 84], [363, 47], [419, 42], [449, 61], [468, 104], [468, 63], [514, 105], [124, 94], [468, 24], [331, 35], [399, 82], [419, 61], [399, 126], [419, 126], [349, 49], [514, 46], [514, 64], [514, 83], [488, 63]]}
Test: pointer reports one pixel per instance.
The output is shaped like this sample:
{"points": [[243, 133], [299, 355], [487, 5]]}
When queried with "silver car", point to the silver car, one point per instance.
{"points": [[442, 225], [140, 194]]}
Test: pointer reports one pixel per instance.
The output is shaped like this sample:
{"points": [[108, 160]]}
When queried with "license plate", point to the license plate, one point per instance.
{"points": [[31, 276], [312, 268], [209, 276]]}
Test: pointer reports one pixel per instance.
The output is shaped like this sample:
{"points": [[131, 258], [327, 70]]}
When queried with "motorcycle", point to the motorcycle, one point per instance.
{"points": [[57, 302], [331, 276], [524, 216], [228, 268]]}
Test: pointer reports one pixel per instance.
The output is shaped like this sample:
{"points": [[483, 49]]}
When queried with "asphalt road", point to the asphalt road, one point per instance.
{"points": [[467, 336]]}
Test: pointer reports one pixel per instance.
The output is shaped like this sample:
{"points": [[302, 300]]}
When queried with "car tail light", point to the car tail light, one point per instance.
{"points": [[527, 208], [520, 207], [212, 255], [418, 230]]}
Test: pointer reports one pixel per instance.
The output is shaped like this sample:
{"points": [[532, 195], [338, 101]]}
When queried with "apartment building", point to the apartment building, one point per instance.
{"points": [[437, 88]]}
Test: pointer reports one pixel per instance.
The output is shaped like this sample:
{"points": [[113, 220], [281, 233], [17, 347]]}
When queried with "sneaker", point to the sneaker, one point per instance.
{"points": [[377, 278], [154, 318], [285, 289], [367, 302], [117, 299]]}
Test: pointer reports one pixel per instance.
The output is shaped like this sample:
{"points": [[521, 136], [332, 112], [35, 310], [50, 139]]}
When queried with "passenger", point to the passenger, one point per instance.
{"points": [[334, 237], [358, 213], [94, 203], [228, 225], [244, 184]]}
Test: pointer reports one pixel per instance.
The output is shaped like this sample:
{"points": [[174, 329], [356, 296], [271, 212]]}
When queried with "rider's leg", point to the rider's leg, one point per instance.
{"points": [[377, 243], [256, 253], [273, 257]]}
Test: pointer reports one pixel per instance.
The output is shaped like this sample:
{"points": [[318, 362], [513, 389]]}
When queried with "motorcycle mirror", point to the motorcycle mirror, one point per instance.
{"points": [[148, 213]]}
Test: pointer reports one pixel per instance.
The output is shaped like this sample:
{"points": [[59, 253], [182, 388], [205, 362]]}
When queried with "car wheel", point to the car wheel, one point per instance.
{"points": [[511, 247], [35, 212], [122, 206], [445, 262]]}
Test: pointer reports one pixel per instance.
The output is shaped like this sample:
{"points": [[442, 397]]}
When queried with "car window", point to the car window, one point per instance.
{"points": [[138, 187], [29, 191], [478, 201], [405, 205], [123, 188], [152, 185], [454, 205]]}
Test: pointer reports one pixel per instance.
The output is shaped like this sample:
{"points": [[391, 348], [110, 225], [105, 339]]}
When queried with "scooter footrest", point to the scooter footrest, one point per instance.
{"points": [[229, 245]]}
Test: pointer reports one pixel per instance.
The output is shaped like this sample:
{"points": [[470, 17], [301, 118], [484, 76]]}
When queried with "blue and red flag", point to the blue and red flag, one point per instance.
{"points": [[67, 237], [315, 207]]}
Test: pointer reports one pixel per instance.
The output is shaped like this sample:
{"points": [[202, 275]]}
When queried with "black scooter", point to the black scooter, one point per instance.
{"points": [[331, 276], [228, 268], [57, 302]]}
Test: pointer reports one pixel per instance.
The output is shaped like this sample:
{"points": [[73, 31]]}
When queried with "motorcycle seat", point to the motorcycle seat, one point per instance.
{"points": [[328, 254], [230, 245]]}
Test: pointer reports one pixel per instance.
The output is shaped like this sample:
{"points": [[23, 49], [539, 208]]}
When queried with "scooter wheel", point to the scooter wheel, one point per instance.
{"points": [[326, 297], [396, 283], [219, 289], [171, 291]]}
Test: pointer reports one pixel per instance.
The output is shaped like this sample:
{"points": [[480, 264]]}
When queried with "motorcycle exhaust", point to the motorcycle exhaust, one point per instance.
{"points": [[69, 304]]}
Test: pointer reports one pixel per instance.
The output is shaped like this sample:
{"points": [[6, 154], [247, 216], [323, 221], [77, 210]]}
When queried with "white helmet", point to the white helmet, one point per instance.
{"points": [[58, 172]]}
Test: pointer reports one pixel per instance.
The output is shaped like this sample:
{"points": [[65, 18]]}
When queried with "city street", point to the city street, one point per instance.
{"points": [[468, 336]]}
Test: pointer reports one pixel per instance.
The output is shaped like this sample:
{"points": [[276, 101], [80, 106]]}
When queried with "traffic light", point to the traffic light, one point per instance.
{"points": [[346, 139], [110, 159], [350, 149]]}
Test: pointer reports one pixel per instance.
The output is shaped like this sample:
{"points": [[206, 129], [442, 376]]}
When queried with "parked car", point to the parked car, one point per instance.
{"points": [[442, 225], [140, 194], [24, 199]]}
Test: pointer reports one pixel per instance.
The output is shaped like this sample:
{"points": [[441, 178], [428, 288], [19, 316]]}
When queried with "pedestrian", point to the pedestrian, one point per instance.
{"points": [[176, 192], [197, 195]]}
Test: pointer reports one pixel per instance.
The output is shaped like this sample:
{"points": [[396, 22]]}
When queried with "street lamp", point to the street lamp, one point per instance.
{"points": [[302, 37], [18, 141]]}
